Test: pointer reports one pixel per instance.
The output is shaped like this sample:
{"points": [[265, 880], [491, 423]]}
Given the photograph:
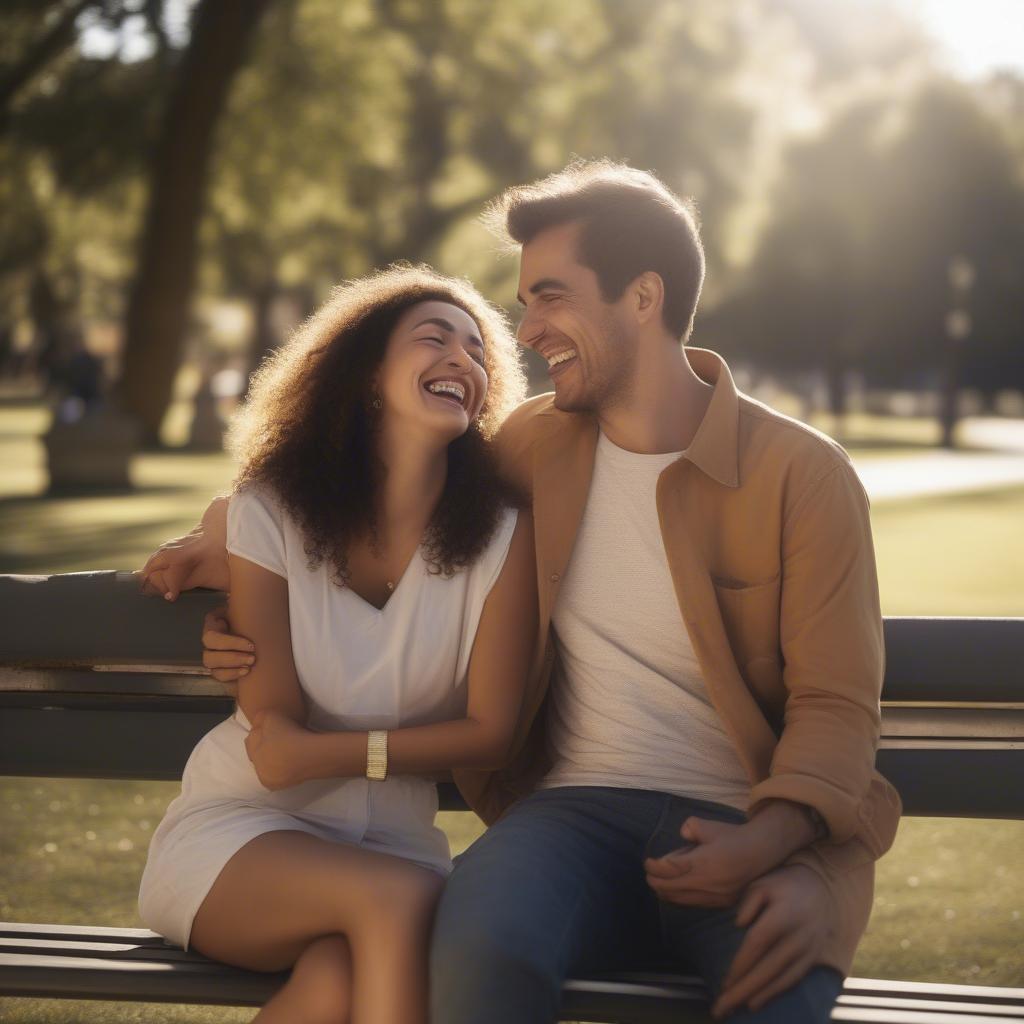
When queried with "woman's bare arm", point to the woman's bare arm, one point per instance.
{"points": [[258, 608], [501, 658]]}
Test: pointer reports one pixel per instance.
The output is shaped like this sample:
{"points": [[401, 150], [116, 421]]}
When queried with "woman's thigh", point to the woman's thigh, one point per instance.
{"points": [[285, 888]]}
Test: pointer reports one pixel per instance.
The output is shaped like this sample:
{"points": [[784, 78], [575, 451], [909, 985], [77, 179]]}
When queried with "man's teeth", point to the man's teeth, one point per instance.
{"points": [[561, 357], [445, 387]]}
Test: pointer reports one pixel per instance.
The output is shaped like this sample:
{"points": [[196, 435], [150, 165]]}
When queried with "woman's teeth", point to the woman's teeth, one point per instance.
{"points": [[448, 388]]}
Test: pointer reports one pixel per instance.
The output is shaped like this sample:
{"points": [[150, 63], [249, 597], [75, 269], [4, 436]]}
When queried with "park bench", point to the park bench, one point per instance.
{"points": [[97, 681]]}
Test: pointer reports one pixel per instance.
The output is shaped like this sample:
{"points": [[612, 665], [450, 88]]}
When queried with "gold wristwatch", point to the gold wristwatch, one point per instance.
{"points": [[377, 754]]}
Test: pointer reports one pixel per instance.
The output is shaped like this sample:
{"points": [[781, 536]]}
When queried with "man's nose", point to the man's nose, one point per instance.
{"points": [[530, 330]]}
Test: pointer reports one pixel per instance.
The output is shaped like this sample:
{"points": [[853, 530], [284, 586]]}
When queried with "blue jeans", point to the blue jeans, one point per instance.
{"points": [[557, 888]]}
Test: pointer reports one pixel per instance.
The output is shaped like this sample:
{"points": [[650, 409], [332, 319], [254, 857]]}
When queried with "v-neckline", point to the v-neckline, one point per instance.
{"points": [[416, 555]]}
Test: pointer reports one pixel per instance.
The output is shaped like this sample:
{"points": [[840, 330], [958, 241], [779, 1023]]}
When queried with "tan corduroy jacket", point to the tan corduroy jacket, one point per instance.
{"points": [[766, 530]]}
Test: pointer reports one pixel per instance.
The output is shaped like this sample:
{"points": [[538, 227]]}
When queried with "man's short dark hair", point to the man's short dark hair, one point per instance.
{"points": [[629, 223]]}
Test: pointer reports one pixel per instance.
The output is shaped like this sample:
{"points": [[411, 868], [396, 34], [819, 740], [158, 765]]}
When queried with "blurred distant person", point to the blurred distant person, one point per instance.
{"points": [[78, 379], [693, 782]]}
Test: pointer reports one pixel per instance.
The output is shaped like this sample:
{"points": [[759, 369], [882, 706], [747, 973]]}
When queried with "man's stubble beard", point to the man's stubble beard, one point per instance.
{"points": [[613, 379]]}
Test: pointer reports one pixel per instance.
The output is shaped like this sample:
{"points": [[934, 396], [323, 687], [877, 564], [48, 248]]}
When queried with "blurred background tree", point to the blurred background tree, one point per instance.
{"points": [[857, 268], [164, 161]]}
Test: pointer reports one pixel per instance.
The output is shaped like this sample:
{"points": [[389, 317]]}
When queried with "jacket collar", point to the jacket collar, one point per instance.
{"points": [[714, 449]]}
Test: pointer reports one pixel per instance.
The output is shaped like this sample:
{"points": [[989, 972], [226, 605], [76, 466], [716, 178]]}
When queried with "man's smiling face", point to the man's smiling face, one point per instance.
{"points": [[585, 340]]}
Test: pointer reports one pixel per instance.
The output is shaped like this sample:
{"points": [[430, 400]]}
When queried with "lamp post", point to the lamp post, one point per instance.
{"points": [[958, 328]]}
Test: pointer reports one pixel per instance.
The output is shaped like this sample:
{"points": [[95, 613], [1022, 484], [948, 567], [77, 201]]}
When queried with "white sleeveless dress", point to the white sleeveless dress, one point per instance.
{"points": [[360, 668]]}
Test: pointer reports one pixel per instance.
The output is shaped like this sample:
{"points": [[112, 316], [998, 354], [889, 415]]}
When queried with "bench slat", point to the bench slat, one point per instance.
{"points": [[934, 777], [933, 990], [122, 951], [636, 997], [875, 1015], [78, 932], [95, 978], [104, 619], [40, 682], [1013, 1011]]}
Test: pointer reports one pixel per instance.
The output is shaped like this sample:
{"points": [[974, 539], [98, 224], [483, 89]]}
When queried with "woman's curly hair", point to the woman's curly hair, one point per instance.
{"points": [[307, 433]]}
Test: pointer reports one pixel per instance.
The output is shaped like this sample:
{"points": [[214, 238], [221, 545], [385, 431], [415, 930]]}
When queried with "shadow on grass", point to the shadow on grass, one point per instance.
{"points": [[84, 494], [37, 539]]}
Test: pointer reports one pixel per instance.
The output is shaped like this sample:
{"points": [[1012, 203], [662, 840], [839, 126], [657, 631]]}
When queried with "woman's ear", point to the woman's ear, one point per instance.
{"points": [[375, 401]]}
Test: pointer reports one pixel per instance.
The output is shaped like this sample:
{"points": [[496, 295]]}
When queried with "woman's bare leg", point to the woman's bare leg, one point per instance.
{"points": [[319, 990], [285, 889]]}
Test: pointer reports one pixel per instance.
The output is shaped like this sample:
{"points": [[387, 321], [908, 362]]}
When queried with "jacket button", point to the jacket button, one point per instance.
{"points": [[555, 577]]}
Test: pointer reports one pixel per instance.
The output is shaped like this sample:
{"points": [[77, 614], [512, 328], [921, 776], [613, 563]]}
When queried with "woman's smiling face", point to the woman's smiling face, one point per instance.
{"points": [[432, 374]]}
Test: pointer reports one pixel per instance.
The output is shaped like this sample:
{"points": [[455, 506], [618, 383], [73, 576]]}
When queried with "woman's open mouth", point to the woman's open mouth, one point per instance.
{"points": [[451, 391]]}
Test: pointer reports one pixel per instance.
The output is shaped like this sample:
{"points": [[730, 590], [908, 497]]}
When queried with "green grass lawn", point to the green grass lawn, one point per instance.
{"points": [[957, 555], [950, 895]]}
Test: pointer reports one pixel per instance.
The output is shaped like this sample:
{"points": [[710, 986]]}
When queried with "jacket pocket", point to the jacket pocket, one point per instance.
{"points": [[750, 614]]}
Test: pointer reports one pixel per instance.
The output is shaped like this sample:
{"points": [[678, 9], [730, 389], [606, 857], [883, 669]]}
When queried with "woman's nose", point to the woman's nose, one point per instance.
{"points": [[459, 357]]}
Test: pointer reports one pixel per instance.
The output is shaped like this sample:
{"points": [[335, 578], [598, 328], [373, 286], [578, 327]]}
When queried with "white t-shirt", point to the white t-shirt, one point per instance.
{"points": [[630, 709]]}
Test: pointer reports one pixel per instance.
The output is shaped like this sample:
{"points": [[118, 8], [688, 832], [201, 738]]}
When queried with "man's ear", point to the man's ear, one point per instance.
{"points": [[648, 296]]}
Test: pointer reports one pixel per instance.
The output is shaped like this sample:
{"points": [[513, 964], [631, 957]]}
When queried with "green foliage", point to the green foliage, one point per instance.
{"points": [[109, 100], [854, 268], [76, 135], [362, 132], [367, 132]]}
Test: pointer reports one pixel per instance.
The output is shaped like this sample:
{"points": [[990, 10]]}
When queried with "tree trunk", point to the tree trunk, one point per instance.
{"points": [[949, 398], [263, 340], [835, 383], [158, 306]]}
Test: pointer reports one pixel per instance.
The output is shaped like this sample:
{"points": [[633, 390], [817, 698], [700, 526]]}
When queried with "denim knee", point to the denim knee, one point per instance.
{"points": [[481, 971]]}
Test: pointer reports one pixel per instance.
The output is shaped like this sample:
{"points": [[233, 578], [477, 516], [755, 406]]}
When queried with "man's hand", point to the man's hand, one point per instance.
{"points": [[787, 913], [198, 559], [712, 869], [228, 657], [277, 747], [719, 859]]}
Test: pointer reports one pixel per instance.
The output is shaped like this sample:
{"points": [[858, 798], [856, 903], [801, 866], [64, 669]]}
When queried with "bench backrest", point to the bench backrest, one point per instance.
{"points": [[86, 662]]}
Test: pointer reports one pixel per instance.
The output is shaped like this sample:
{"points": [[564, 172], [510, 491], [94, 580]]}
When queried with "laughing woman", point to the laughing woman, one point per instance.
{"points": [[386, 578]]}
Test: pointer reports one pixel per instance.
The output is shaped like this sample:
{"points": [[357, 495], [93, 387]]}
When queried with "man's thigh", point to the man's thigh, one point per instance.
{"points": [[706, 940], [556, 886]]}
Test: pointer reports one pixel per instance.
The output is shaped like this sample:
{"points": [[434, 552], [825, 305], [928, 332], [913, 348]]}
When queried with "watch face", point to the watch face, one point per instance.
{"points": [[377, 754]]}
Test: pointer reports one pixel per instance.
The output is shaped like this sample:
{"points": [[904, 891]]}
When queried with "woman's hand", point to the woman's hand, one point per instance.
{"points": [[718, 862], [278, 748]]}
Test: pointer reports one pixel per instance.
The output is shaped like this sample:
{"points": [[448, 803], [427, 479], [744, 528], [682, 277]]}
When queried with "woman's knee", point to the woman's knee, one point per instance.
{"points": [[401, 894]]}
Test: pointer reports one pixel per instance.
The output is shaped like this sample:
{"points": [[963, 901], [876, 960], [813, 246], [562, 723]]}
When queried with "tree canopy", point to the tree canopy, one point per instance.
{"points": [[837, 172]]}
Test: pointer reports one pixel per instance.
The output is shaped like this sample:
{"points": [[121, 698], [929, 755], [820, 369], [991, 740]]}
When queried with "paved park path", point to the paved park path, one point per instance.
{"points": [[1000, 464]]}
